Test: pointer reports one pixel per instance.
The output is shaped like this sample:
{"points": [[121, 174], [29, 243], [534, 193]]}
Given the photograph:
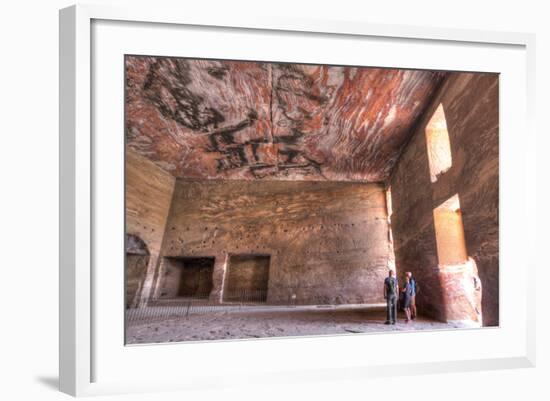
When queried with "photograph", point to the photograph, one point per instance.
{"points": [[272, 199], [300, 200]]}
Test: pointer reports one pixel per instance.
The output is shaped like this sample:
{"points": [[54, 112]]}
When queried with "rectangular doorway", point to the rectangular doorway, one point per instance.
{"points": [[188, 277], [247, 278]]}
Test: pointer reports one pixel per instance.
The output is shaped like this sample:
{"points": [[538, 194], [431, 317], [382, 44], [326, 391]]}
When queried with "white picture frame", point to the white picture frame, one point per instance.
{"points": [[82, 322]]}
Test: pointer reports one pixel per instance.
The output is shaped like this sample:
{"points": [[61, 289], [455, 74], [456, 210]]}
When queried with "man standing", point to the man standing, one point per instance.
{"points": [[414, 290], [391, 289]]}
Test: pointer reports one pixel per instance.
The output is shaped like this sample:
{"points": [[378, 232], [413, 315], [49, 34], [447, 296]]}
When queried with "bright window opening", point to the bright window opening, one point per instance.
{"points": [[388, 201], [389, 211], [439, 146], [449, 232]]}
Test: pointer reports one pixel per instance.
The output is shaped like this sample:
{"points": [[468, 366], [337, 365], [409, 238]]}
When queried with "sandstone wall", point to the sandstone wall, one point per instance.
{"points": [[327, 241], [148, 197], [451, 292]]}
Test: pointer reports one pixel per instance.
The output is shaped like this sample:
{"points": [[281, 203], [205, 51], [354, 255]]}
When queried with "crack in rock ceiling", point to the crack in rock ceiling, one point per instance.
{"points": [[253, 120]]}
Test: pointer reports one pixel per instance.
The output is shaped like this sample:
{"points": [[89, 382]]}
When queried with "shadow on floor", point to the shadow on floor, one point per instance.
{"points": [[52, 382]]}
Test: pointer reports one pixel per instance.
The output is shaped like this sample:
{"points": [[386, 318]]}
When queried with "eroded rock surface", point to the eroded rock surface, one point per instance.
{"points": [[252, 120], [471, 110]]}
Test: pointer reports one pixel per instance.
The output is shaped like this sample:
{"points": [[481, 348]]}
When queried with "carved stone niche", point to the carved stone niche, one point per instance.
{"points": [[187, 277], [247, 278]]}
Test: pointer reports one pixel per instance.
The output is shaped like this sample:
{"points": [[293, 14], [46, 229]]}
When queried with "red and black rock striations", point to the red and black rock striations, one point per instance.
{"points": [[346, 123], [199, 118], [251, 120]]}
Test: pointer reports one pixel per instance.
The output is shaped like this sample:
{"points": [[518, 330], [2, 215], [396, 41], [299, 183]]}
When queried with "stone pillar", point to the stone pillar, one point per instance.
{"points": [[157, 280], [218, 278], [148, 284]]}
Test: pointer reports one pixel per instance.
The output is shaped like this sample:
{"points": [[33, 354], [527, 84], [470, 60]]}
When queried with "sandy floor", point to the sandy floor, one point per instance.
{"points": [[279, 322]]}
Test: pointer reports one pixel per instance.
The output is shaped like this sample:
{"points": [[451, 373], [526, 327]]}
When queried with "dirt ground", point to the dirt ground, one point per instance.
{"points": [[275, 322]]}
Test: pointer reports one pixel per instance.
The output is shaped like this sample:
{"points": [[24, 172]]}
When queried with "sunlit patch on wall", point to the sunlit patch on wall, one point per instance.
{"points": [[449, 232], [439, 146]]}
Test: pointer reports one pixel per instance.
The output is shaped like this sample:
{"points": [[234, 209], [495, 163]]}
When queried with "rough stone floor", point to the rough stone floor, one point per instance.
{"points": [[254, 322]]}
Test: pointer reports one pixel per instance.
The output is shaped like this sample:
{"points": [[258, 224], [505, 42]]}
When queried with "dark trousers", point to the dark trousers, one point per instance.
{"points": [[391, 309]]}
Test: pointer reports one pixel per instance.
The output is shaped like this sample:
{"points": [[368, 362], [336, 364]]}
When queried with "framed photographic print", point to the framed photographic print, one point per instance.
{"points": [[290, 199]]}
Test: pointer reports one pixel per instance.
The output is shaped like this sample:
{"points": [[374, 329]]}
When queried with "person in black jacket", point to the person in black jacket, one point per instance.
{"points": [[391, 290]]}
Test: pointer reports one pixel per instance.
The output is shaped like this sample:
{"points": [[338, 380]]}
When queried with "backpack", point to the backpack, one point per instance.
{"points": [[416, 286]]}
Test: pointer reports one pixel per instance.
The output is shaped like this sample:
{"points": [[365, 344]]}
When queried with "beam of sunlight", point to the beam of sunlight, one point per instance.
{"points": [[458, 274], [439, 146], [449, 232]]}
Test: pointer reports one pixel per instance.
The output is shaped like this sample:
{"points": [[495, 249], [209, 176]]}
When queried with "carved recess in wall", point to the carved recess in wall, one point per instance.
{"points": [[252, 120]]}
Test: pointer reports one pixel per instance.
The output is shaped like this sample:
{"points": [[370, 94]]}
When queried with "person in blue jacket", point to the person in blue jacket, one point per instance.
{"points": [[407, 295], [414, 290]]}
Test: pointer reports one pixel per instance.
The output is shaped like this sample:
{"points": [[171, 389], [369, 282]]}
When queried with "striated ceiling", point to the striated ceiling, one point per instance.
{"points": [[253, 120]]}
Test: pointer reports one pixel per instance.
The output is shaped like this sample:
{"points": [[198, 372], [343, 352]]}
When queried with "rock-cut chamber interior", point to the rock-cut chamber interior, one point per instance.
{"points": [[282, 196]]}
